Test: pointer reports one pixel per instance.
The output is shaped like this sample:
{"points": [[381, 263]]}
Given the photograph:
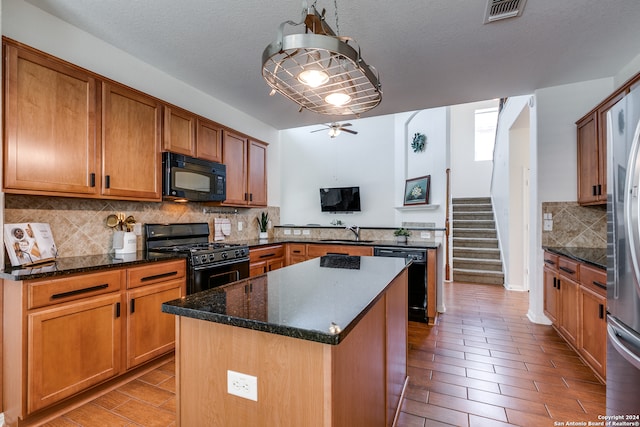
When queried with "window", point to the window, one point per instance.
{"points": [[485, 133]]}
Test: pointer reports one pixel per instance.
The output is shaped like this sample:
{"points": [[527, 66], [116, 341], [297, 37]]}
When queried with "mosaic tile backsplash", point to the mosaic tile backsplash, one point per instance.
{"points": [[575, 226], [79, 225]]}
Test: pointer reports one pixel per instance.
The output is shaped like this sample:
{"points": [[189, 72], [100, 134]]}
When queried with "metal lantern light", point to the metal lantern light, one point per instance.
{"points": [[319, 70]]}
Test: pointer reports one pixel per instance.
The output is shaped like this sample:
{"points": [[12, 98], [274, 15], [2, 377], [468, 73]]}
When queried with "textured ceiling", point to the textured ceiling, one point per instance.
{"points": [[429, 53]]}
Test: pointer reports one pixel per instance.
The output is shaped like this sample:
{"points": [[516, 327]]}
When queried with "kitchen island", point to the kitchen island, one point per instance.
{"points": [[319, 343]]}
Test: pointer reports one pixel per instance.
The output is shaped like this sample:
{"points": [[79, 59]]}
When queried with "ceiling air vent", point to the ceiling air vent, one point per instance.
{"points": [[503, 9]]}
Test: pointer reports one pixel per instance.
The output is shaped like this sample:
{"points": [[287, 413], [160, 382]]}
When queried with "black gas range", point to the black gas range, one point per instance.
{"points": [[209, 264]]}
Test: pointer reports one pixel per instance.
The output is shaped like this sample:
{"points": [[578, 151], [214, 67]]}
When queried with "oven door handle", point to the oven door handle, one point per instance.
{"points": [[227, 273], [221, 264]]}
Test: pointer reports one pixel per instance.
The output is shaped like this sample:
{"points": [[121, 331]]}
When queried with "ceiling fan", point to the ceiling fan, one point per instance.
{"points": [[335, 129]]}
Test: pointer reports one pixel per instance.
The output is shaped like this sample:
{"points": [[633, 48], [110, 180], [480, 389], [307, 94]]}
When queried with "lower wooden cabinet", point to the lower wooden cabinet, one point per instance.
{"points": [[72, 347], [593, 318], [265, 259], [71, 333], [316, 250], [150, 332], [296, 252], [575, 302]]}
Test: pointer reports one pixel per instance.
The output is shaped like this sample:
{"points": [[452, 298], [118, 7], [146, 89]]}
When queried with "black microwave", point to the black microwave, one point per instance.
{"points": [[186, 178]]}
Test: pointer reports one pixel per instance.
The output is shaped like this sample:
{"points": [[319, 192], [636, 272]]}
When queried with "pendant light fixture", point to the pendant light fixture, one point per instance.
{"points": [[319, 70]]}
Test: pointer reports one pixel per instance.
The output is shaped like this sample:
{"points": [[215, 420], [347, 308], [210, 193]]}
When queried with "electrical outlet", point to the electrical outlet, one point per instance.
{"points": [[242, 385], [239, 225], [137, 229], [425, 235], [548, 225], [306, 232], [296, 232], [287, 232]]}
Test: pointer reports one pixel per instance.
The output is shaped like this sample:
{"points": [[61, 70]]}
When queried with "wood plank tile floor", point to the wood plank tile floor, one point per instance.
{"points": [[483, 364]]}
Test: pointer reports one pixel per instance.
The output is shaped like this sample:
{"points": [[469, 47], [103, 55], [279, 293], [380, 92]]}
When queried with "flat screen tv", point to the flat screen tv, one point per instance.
{"points": [[342, 199]]}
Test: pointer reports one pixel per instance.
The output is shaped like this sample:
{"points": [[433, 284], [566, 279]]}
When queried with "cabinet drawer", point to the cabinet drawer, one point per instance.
{"points": [[297, 249], [262, 254], [551, 260], [48, 292], [569, 268], [155, 273], [594, 279], [314, 251]]}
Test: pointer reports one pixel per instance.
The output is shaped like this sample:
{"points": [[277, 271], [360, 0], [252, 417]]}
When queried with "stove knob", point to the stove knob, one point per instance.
{"points": [[237, 253], [212, 257], [203, 258], [224, 255]]}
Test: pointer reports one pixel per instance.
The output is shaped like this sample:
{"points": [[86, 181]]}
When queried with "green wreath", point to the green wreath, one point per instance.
{"points": [[418, 143]]}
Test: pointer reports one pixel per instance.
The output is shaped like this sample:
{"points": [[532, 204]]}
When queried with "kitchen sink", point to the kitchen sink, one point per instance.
{"points": [[345, 241]]}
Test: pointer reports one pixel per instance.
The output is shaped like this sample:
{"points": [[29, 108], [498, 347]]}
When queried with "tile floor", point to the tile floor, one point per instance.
{"points": [[483, 364]]}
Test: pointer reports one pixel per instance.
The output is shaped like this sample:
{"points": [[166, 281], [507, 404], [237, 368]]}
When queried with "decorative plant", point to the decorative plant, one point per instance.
{"points": [[263, 221], [419, 141], [402, 232]]}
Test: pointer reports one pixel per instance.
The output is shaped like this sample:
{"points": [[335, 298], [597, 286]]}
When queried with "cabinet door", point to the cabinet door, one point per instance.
{"points": [[593, 337], [569, 308], [550, 294], [50, 126], [588, 161], [257, 176], [61, 363], [150, 332], [179, 131], [234, 156], [130, 144], [209, 140]]}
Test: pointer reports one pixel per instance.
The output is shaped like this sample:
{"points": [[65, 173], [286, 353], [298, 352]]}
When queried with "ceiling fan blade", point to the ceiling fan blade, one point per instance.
{"points": [[317, 130], [345, 124], [350, 131]]}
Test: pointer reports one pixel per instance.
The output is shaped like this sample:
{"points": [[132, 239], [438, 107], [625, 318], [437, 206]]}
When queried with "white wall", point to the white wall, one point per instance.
{"points": [[31, 26], [311, 160], [469, 178]]}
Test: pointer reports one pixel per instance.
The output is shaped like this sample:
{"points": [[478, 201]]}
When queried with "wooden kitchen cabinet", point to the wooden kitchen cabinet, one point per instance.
{"points": [[296, 252], [265, 259], [575, 302], [551, 294], [208, 140], [246, 170], [72, 347], [50, 120], [150, 332], [592, 147], [72, 334], [317, 250], [130, 144], [191, 135], [179, 134], [593, 318]]}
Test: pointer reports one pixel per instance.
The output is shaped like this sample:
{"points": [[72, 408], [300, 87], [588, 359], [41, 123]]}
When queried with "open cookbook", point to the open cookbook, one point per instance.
{"points": [[29, 243]]}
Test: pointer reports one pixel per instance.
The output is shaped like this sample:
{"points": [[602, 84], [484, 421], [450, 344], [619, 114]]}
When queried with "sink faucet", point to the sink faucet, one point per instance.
{"points": [[355, 230]]}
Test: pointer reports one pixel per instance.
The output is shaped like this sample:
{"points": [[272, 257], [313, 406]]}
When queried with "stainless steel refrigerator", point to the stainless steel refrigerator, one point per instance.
{"points": [[623, 256]]}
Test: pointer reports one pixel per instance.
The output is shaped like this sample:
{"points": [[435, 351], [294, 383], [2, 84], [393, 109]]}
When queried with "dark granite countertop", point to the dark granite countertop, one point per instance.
{"points": [[320, 300], [596, 257], [82, 264]]}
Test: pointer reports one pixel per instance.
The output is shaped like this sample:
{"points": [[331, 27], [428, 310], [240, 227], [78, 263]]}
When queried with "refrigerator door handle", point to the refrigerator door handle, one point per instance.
{"points": [[617, 336]]}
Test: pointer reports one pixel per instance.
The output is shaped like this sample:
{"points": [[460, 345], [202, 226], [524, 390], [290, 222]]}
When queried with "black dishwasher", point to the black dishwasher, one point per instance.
{"points": [[417, 277]]}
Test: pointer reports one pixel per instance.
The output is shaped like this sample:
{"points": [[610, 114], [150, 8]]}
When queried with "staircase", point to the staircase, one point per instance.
{"points": [[476, 256]]}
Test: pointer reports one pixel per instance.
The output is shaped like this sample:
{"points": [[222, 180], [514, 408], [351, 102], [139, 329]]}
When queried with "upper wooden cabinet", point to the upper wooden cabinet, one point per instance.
{"points": [[50, 126], [130, 144], [592, 148], [191, 135], [208, 140], [246, 170], [179, 131]]}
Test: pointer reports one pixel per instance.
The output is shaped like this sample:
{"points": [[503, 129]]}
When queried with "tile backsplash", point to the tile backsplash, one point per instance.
{"points": [[575, 225], [79, 225]]}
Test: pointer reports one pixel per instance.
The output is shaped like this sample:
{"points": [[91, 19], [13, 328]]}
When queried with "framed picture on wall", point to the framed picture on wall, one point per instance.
{"points": [[416, 191]]}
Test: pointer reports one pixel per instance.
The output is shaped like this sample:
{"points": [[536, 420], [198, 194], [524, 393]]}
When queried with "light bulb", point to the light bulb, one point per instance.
{"points": [[337, 98], [333, 132], [313, 77]]}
